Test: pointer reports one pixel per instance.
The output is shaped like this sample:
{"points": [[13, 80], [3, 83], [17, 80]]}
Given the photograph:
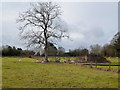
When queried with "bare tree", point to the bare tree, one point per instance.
{"points": [[41, 25], [96, 49], [61, 51]]}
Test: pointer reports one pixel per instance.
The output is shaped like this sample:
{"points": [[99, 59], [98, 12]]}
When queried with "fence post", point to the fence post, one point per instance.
{"points": [[96, 63], [109, 66]]}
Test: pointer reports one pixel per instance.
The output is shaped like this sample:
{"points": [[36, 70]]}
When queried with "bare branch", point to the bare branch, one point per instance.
{"points": [[41, 18]]}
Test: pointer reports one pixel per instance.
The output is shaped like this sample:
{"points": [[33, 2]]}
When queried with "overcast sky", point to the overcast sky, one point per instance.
{"points": [[88, 23]]}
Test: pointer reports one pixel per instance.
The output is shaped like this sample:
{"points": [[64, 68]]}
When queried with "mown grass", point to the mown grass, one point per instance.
{"points": [[27, 74], [113, 59]]}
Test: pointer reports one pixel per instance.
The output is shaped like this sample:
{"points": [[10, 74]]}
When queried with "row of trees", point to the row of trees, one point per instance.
{"points": [[13, 51], [112, 49], [77, 52], [108, 50]]}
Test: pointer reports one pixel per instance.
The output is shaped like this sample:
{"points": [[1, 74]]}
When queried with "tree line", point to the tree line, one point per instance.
{"points": [[108, 50], [13, 51]]}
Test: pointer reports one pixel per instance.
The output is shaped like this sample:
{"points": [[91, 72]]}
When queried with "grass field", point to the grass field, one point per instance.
{"points": [[22, 73]]}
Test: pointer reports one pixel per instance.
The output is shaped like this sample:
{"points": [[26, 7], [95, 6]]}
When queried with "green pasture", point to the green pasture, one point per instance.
{"points": [[20, 72]]}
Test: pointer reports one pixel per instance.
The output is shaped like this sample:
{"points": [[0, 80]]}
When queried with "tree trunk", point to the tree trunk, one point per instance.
{"points": [[46, 44], [46, 47], [46, 54]]}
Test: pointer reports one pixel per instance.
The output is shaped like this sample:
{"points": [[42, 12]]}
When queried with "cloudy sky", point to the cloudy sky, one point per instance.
{"points": [[88, 23]]}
